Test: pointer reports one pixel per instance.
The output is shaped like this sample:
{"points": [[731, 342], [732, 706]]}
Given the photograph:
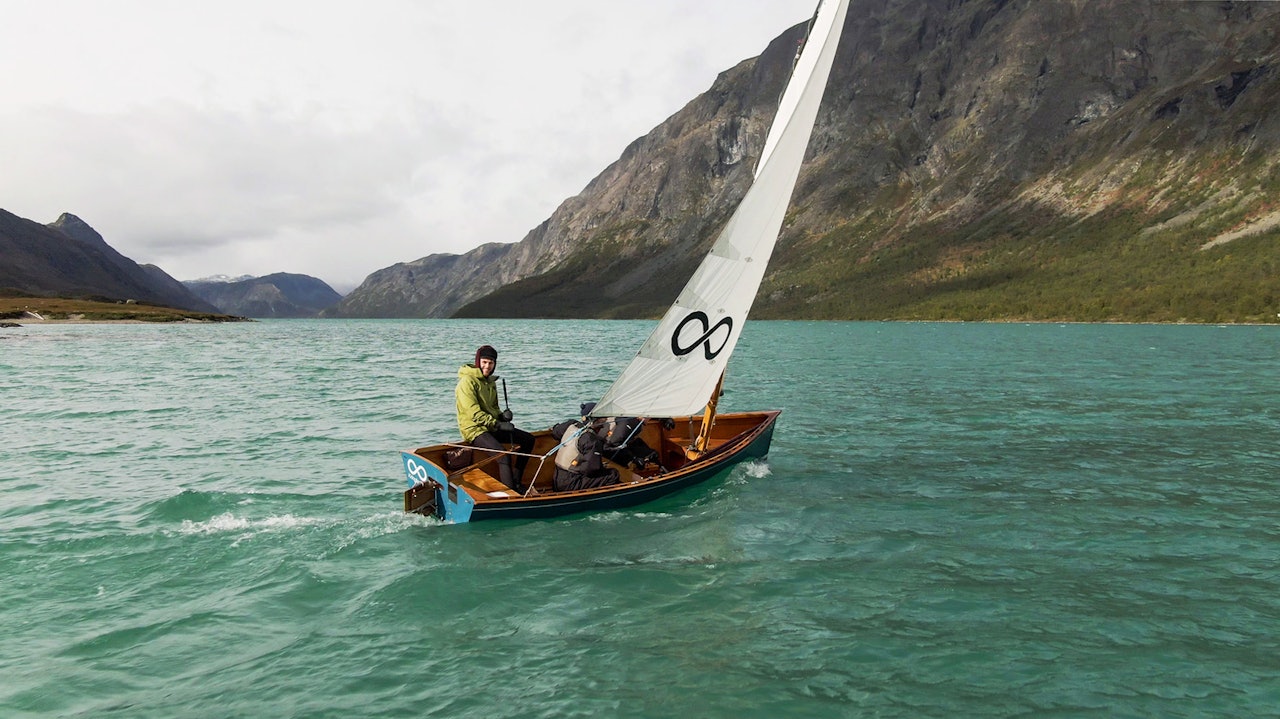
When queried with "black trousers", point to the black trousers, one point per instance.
{"points": [[564, 480], [498, 439]]}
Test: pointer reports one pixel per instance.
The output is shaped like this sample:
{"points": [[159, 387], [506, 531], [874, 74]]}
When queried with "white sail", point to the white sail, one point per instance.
{"points": [[676, 369]]}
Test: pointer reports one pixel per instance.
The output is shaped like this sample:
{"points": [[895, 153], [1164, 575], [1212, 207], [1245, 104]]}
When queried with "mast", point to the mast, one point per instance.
{"points": [[699, 446]]}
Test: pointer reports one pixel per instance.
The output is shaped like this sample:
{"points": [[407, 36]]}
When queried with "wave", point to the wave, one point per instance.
{"points": [[229, 522], [337, 533], [191, 503]]}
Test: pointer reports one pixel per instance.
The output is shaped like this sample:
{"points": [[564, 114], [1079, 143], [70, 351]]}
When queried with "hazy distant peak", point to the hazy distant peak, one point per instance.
{"points": [[282, 294], [223, 278]]}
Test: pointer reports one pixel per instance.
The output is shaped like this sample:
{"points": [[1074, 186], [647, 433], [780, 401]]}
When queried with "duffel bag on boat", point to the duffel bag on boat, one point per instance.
{"points": [[565, 480], [457, 458]]}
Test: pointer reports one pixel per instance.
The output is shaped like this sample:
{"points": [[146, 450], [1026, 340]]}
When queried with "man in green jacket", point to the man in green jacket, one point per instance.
{"points": [[483, 425]]}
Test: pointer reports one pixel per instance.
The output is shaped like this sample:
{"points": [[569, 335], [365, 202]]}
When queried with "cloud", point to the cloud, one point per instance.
{"points": [[170, 173], [335, 139]]}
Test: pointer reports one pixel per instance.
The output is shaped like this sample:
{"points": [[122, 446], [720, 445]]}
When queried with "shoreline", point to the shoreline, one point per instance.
{"points": [[31, 318], [81, 320], [24, 309], [24, 322]]}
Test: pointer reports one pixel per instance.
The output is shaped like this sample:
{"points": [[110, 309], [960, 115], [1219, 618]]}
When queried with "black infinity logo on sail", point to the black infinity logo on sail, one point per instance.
{"points": [[704, 340]]}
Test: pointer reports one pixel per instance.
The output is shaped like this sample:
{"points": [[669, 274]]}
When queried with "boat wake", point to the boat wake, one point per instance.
{"points": [[340, 532], [229, 522]]}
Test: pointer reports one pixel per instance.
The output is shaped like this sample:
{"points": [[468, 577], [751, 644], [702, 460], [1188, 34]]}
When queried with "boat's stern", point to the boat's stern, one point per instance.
{"points": [[430, 491]]}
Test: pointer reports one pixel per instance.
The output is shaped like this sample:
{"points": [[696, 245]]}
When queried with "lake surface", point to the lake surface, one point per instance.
{"points": [[956, 520]]}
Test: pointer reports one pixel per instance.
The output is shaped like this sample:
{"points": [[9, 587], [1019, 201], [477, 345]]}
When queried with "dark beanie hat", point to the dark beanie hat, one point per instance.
{"points": [[486, 351]]}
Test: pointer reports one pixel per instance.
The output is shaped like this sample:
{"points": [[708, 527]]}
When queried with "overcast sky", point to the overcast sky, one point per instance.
{"points": [[337, 138]]}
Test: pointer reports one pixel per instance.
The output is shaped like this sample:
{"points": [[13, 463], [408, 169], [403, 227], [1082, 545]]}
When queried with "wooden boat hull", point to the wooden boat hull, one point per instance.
{"points": [[472, 493]]}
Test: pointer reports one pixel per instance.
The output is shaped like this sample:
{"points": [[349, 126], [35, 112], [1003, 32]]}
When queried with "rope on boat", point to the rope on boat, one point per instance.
{"points": [[542, 458], [496, 453]]}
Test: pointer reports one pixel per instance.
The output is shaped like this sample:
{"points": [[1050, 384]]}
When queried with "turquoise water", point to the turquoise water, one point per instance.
{"points": [[956, 520]]}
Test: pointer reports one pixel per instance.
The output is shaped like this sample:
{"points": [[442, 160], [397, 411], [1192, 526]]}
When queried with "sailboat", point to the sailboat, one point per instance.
{"points": [[675, 379]]}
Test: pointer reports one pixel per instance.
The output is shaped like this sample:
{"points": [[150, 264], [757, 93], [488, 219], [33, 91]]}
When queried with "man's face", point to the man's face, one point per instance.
{"points": [[487, 366]]}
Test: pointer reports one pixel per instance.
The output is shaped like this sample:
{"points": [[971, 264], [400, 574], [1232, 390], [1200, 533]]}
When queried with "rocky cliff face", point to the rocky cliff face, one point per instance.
{"points": [[1080, 159], [1061, 159], [433, 286], [634, 233]]}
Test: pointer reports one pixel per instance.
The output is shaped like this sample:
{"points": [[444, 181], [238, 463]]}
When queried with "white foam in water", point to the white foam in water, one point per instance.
{"points": [[758, 469], [228, 522], [379, 525]]}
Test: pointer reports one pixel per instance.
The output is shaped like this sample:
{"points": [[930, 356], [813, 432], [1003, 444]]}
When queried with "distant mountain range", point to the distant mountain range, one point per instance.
{"points": [[1010, 160], [220, 278], [278, 295], [1055, 159], [68, 258]]}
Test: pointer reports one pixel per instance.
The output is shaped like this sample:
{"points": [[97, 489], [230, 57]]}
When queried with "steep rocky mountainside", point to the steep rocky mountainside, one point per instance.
{"points": [[433, 286], [640, 222], [279, 295], [68, 258], [1002, 159]]}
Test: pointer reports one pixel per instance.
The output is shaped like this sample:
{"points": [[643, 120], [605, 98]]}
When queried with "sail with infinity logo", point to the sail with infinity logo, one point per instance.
{"points": [[679, 366]]}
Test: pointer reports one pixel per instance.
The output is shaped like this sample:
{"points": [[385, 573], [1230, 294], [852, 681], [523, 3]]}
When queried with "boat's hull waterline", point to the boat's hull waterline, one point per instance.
{"points": [[473, 493]]}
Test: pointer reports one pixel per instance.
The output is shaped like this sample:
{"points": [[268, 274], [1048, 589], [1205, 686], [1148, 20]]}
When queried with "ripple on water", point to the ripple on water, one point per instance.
{"points": [[967, 520]]}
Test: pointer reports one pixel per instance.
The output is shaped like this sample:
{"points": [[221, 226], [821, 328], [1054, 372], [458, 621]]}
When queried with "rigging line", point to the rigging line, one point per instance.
{"points": [[631, 435], [808, 30], [804, 41], [795, 60], [564, 439], [495, 452], [639, 426]]}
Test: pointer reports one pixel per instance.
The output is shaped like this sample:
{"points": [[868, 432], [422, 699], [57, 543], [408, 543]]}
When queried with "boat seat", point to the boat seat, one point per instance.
{"points": [[479, 482]]}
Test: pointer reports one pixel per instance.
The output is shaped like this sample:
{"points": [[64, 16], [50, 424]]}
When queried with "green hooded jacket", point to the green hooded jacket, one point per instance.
{"points": [[477, 398]]}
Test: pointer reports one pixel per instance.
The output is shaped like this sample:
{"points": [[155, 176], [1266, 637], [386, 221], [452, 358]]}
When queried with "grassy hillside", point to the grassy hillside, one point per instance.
{"points": [[1141, 242], [15, 309]]}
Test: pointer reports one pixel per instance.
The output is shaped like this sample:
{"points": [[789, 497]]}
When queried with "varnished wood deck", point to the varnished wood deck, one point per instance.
{"points": [[480, 482]]}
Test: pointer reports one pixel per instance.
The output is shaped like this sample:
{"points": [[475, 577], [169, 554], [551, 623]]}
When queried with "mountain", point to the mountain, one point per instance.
{"points": [[220, 278], [68, 258], [1046, 159], [278, 295], [433, 286]]}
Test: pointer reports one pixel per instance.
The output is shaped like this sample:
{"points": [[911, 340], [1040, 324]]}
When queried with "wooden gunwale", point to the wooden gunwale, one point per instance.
{"points": [[733, 433]]}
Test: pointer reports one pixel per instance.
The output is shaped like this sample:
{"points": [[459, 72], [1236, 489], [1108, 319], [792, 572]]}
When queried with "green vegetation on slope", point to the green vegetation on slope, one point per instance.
{"points": [[1018, 265], [15, 308]]}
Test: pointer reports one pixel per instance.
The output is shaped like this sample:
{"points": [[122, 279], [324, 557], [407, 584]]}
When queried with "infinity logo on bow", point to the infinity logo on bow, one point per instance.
{"points": [[704, 340], [418, 472]]}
